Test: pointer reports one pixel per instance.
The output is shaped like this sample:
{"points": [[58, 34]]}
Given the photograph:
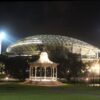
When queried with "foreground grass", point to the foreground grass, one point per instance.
{"points": [[68, 92]]}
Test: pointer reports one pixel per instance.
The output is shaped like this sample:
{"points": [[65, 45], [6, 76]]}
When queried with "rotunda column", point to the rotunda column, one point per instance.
{"points": [[45, 72], [53, 72], [35, 72], [56, 72], [32, 72]]}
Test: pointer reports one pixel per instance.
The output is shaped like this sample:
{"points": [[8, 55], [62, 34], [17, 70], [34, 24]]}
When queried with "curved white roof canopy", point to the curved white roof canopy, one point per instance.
{"points": [[27, 43]]}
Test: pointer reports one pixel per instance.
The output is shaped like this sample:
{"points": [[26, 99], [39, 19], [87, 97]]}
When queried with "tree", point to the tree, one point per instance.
{"points": [[71, 67], [16, 67]]}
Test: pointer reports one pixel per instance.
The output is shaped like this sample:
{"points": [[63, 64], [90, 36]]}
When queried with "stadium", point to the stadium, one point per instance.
{"points": [[27, 46]]}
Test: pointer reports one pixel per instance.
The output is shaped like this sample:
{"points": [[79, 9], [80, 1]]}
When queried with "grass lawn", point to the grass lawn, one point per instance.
{"points": [[14, 91]]}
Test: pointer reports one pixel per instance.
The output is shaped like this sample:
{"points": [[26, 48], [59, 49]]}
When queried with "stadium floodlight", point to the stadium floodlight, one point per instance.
{"points": [[2, 36]]}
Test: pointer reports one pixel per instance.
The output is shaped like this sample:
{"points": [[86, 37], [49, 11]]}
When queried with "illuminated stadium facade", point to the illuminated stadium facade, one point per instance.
{"points": [[26, 46]]}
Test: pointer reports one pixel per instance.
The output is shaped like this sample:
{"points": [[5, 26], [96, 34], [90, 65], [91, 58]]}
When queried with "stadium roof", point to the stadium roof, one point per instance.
{"points": [[27, 44]]}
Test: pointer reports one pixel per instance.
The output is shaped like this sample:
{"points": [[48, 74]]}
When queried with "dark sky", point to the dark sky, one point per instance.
{"points": [[71, 18]]}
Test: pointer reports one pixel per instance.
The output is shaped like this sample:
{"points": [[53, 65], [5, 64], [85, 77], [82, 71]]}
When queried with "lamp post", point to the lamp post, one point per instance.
{"points": [[2, 35]]}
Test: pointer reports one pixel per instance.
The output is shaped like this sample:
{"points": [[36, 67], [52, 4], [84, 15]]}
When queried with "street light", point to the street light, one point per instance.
{"points": [[2, 36]]}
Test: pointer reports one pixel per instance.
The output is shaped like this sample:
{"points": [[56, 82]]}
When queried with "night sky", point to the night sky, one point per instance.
{"points": [[77, 19]]}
